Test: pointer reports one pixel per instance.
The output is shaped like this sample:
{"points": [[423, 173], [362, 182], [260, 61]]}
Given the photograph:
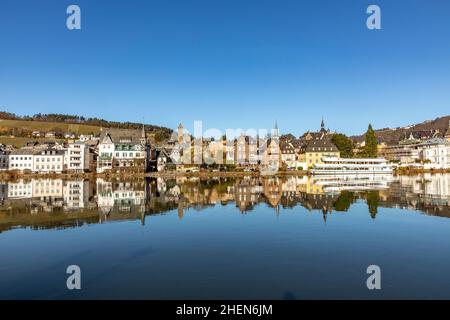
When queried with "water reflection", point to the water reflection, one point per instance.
{"points": [[57, 203]]}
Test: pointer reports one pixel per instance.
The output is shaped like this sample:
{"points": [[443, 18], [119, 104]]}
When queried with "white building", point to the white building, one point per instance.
{"points": [[87, 137], [20, 189], [123, 149], [49, 161], [121, 196], [288, 154], [76, 194], [402, 153], [435, 154], [78, 157], [21, 160], [47, 188]]}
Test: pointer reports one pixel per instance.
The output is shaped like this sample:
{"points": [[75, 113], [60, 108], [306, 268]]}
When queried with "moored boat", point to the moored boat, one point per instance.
{"points": [[355, 166]]}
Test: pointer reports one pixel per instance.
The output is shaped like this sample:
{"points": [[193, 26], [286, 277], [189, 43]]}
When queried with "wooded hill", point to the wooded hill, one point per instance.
{"points": [[437, 127], [23, 126]]}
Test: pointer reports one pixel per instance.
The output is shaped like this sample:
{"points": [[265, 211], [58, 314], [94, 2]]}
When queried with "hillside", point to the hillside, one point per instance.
{"points": [[16, 129], [45, 126], [437, 127]]}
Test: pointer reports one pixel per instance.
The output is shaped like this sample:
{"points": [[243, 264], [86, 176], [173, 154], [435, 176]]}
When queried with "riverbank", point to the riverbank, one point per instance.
{"points": [[5, 175], [126, 175]]}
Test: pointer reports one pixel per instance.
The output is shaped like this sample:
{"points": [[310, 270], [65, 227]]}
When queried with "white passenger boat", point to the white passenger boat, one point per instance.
{"points": [[350, 182], [357, 166]]}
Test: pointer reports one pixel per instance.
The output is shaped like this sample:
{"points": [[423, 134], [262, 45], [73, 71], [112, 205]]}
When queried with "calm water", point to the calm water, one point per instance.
{"points": [[280, 238]]}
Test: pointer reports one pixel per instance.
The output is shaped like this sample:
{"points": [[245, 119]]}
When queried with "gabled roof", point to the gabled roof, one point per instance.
{"points": [[120, 136], [24, 152], [287, 147], [321, 146]]}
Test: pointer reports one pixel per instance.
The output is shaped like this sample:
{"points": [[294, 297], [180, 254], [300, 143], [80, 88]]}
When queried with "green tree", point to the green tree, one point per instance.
{"points": [[370, 149], [373, 201], [344, 201], [344, 144]]}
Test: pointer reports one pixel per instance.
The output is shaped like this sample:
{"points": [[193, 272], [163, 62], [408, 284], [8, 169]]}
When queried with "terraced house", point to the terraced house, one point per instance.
{"points": [[46, 161], [79, 157], [123, 149], [21, 160]]}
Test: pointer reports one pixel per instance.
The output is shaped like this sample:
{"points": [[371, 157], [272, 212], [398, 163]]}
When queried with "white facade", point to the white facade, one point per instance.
{"points": [[78, 157], [87, 137], [20, 189], [76, 194], [122, 196], [435, 154], [105, 155], [47, 188], [21, 160], [47, 161], [120, 149]]}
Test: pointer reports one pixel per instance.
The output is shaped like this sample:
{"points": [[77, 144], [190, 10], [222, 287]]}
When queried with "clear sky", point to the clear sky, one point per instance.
{"points": [[229, 63]]}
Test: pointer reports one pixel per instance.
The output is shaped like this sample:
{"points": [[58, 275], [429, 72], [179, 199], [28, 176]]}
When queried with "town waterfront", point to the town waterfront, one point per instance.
{"points": [[292, 237]]}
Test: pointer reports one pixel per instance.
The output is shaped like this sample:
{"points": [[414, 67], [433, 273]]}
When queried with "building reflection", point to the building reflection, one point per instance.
{"points": [[46, 203]]}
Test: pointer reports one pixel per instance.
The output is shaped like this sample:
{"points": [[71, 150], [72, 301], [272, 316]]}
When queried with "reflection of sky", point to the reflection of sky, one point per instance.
{"points": [[218, 253]]}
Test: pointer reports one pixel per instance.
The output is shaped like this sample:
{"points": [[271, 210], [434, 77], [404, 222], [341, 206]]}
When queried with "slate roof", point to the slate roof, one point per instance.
{"points": [[287, 148], [321, 146], [121, 136]]}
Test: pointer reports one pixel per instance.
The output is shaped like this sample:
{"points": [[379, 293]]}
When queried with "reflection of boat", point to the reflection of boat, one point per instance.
{"points": [[353, 182], [358, 166]]}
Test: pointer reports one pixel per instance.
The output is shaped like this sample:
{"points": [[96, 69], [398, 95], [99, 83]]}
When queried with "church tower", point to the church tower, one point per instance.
{"points": [[322, 126], [276, 132], [180, 134], [143, 139]]}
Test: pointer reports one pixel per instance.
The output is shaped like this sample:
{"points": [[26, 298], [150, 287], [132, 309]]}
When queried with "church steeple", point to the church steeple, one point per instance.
{"points": [[143, 135], [180, 134], [276, 132], [322, 126]]}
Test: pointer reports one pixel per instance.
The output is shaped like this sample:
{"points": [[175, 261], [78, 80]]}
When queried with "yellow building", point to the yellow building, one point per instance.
{"points": [[316, 150]]}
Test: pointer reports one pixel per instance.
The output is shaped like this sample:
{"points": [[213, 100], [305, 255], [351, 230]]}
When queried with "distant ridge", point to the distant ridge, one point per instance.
{"points": [[67, 118], [437, 127]]}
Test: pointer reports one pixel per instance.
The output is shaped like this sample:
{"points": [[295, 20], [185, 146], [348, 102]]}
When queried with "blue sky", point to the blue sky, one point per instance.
{"points": [[229, 63]]}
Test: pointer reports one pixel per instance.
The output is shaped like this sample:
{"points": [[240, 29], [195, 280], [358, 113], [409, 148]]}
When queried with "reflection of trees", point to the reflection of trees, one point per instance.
{"points": [[344, 201], [373, 201]]}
